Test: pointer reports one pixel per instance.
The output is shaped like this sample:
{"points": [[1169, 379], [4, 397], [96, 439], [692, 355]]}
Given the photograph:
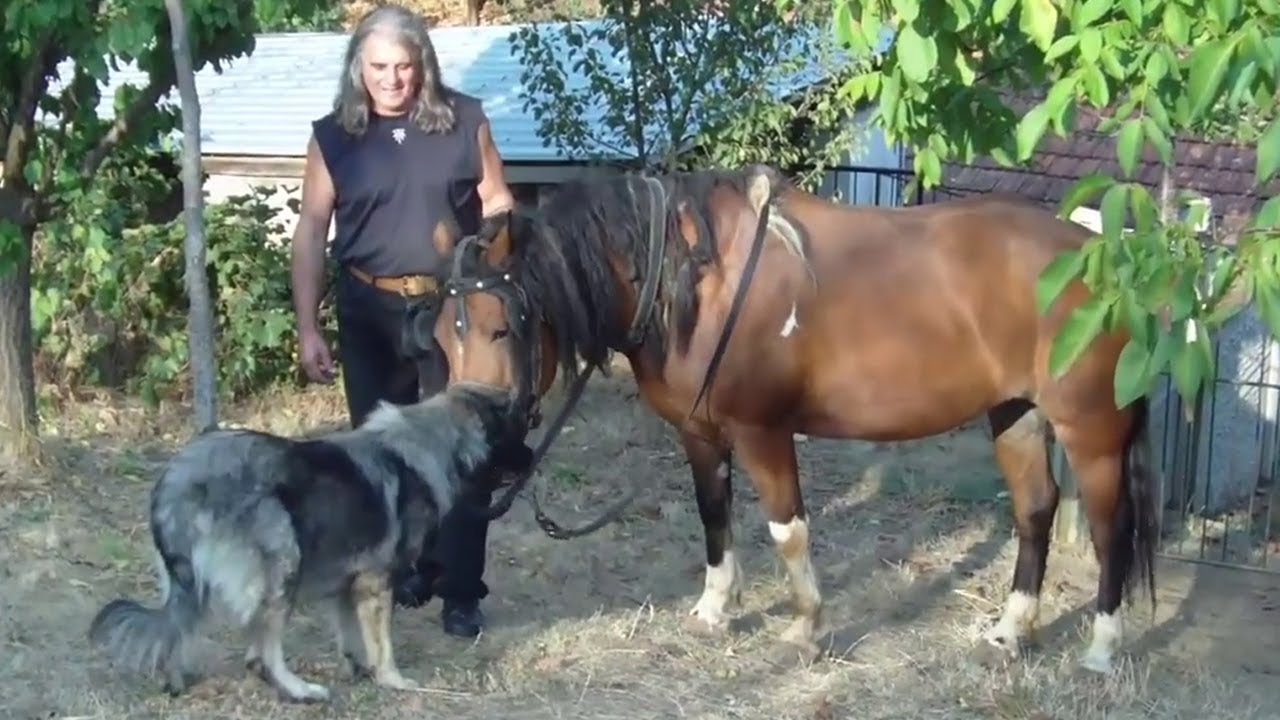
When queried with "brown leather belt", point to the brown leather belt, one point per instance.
{"points": [[402, 284]]}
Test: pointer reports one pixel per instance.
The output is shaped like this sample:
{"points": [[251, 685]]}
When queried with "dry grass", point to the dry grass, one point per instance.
{"points": [[912, 544]]}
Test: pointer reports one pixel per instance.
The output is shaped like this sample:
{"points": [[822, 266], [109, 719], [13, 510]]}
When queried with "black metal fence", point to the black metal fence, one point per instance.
{"points": [[1218, 457]]}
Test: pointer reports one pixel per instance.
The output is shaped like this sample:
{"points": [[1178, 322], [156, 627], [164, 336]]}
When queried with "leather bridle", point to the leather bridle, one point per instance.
{"points": [[527, 348]]}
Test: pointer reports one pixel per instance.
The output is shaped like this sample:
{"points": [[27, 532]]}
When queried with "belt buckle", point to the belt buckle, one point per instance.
{"points": [[405, 281]]}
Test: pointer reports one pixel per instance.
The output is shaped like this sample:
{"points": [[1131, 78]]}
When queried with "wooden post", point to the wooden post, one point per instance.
{"points": [[1070, 526]]}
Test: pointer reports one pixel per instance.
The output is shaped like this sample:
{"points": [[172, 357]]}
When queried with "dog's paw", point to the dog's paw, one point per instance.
{"points": [[306, 693], [356, 669], [396, 681]]}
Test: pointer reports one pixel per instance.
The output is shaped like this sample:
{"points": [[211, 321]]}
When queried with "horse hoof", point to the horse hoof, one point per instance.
{"points": [[706, 625], [989, 654], [792, 654], [1097, 663]]}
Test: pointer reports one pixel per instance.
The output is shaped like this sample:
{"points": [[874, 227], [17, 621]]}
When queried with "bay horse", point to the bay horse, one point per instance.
{"points": [[872, 323]]}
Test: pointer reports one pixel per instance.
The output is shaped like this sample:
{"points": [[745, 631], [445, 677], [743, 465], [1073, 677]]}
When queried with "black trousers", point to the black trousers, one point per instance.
{"points": [[376, 366]]}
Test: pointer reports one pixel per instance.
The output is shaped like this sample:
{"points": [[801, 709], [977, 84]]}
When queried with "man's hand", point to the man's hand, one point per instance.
{"points": [[313, 352]]}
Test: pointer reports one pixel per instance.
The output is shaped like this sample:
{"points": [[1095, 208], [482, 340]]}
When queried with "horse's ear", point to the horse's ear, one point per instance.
{"points": [[496, 231], [685, 225], [442, 239]]}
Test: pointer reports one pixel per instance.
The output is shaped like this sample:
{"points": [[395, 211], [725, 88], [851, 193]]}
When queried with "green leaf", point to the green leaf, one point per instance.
{"points": [[1061, 46], [907, 10], [1176, 25], [845, 31], [1267, 298], [1158, 140], [1129, 145], [1030, 129], [1269, 215], [1268, 153], [1080, 329], [1113, 211], [1192, 360], [1055, 277], [1090, 11], [1038, 19], [1132, 376], [917, 55], [1133, 8], [1000, 10], [1082, 191], [1209, 63], [1091, 45]]}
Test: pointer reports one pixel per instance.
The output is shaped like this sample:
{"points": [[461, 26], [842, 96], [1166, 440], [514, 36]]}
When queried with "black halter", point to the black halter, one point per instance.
{"points": [[471, 274]]}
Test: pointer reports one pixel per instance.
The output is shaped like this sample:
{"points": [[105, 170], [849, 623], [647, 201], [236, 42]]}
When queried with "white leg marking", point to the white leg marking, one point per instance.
{"points": [[1107, 632], [792, 542], [719, 589], [791, 324], [1021, 611]]}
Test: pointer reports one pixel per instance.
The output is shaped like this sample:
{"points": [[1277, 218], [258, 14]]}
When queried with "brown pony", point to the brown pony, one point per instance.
{"points": [[855, 322]]}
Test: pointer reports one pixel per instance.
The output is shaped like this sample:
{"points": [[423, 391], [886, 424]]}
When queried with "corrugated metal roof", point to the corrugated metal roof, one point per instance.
{"points": [[264, 103]]}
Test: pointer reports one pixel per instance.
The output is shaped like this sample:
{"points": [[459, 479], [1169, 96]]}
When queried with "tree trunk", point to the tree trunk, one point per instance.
{"points": [[18, 421], [200, 313]]}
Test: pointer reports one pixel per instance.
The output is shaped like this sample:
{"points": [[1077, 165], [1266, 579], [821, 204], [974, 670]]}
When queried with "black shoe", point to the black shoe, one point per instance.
{"points": [[412, 590], [462, 619]]}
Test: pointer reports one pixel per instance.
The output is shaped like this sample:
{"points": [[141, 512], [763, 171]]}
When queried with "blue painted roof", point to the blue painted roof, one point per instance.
{"points": [[263, 103]]}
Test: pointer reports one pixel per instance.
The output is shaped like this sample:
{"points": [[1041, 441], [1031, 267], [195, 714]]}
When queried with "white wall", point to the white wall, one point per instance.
{"points": [[219, 187], [868, 150]]}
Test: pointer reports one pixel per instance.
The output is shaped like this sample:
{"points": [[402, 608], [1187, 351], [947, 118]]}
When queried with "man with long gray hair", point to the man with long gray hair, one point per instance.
{"points": [[400, 160]]}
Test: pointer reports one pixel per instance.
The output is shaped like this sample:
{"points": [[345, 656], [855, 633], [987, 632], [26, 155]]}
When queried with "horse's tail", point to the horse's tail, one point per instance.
{"points": [[1139, 478]]}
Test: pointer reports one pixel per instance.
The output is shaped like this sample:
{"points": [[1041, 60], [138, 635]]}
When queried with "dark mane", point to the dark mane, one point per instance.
{"points": [[564, 253]]}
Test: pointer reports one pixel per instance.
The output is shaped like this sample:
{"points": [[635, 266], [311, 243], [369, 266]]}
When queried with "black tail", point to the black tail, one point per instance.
{"points": [[1139, 480], [151, 640]]}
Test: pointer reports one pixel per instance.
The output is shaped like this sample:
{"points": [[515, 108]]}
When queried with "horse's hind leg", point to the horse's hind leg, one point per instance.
{"points": [[769, 457], [1021, 451], [710, 466], [1107, 454]]}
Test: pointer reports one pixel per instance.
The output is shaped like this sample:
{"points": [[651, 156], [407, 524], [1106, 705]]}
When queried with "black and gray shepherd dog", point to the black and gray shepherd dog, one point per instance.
{"points": [[258, 523]]}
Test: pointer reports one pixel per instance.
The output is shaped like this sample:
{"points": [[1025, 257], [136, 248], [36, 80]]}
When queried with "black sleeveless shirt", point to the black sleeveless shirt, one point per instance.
{"points": [[394, 184]]}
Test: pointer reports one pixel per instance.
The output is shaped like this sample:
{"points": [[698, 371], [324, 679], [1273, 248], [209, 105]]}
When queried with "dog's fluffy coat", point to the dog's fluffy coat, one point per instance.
{"points": [[258, 522]]}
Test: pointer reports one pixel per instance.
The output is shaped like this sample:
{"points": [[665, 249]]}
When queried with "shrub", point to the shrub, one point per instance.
{"points": [[109, 304]]}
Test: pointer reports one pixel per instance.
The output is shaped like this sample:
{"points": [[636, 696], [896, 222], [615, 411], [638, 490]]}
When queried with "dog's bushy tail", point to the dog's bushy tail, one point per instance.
{"points": [[153, 640]]}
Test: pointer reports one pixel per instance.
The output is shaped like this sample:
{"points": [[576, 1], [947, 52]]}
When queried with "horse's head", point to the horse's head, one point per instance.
{"points": [[486, 325]]}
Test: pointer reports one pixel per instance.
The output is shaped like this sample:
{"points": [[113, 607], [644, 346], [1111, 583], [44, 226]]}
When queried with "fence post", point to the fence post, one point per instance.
{"points": [[1069, 523]]}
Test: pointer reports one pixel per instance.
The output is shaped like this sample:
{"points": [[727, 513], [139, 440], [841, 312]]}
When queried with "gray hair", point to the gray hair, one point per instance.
{"points": [[433, 110]]}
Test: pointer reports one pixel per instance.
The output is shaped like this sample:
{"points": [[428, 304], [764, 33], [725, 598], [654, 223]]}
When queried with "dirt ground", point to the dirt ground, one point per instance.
{"points": [[912, 544]]}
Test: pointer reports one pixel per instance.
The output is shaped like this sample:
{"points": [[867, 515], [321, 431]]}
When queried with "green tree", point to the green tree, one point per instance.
{"points": [[1163, 69], [55, 144], [675, 84]]}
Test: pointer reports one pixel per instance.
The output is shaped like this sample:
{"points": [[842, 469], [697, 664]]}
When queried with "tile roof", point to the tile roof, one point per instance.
{"points": [[1221, 170], [263, 103]]}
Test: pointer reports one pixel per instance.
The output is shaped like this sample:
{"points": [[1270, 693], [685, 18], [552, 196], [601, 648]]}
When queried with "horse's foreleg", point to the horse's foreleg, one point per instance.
{"points": [[1022, 454], [710, 466], [769, 457]]}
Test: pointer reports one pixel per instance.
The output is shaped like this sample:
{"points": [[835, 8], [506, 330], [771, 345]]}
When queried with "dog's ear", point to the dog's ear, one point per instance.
{"points": [[515, 457]]}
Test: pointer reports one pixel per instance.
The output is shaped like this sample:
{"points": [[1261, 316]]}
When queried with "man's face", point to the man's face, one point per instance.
{"points": [[389, 73]]}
